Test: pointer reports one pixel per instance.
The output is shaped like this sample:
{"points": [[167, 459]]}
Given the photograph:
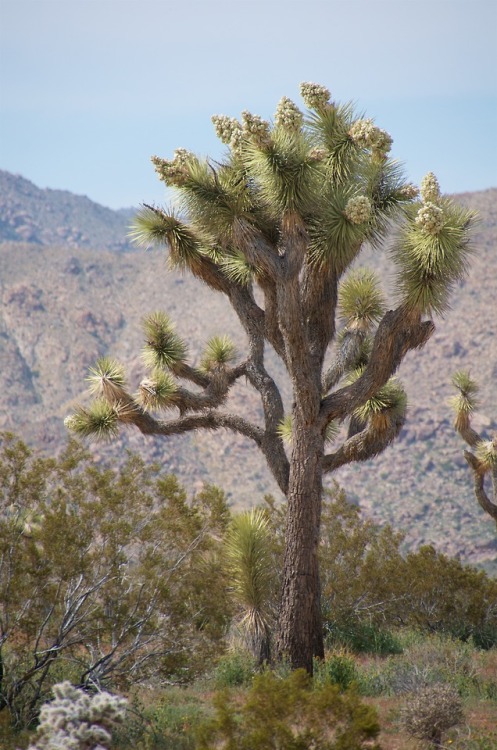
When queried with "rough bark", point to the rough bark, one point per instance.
{"points": [[300, 635]]}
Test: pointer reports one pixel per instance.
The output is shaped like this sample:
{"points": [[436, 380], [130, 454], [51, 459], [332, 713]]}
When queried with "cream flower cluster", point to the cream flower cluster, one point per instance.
{"points": [[358, 210], [288, 115], [173, 172], [430, 218], [254, 126], [314, 95], [365, 134], [77, 721], [409, 191], [227, 128], [430, 189]]}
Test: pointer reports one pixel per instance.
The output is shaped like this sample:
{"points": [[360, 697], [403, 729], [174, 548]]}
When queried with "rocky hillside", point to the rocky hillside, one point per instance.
{"points": [[65, 305], [57, 217]]}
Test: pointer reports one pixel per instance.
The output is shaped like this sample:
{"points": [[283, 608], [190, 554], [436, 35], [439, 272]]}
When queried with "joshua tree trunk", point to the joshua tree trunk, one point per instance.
{"points": [[300, 626]]}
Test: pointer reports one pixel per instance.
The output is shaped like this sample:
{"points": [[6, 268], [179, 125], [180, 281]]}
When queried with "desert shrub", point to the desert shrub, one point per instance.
{"points": [[234, 668], [426, 661], [362, 638], [166, 725], [338, 668], [430, 712], [289, 713], [440, 594], [475, 741], [107, 576]]}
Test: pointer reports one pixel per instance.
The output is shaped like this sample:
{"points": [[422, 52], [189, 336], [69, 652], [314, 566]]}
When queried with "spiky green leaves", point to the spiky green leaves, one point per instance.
{"points": [[107, 379], [284, 171], [250, 564], [157, 391], [219, 352], [334, 240], [100, 420], [388, 405], [285, 430], [360, 299], [466, 400], [163, 348], [486, 453], [152, 226], [431, 252]]}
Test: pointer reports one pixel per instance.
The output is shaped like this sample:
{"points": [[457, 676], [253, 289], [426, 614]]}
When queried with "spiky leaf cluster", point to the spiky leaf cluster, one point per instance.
{"points": [[157, 391], [387, 405], [219, 352], [163, 348], [100, 419], [285, 428], [153, 226], [466, 400], [486, 453], [250, 565], [431, 262], [106, 378], [360, 299]]}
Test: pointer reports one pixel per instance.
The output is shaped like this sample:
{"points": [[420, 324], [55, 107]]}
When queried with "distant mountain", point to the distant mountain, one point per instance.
{"points": [[57, 217], [63, 306]]}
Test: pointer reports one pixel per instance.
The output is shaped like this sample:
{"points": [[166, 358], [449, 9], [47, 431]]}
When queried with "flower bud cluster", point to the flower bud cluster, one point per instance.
{"points": [[430, 189], [410, 191], [226, 127], [288, 115], [314, 95], [430, 218], [365, 134], [358, 210], [77, 721], [318, 154], [175, 171], [255, 127]]}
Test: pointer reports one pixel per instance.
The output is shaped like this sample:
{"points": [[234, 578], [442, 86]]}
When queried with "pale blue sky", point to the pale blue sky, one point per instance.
{"points": [[90, 89]]}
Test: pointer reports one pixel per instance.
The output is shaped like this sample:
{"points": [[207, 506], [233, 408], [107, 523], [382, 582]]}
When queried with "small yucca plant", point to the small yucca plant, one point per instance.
{"points": [[252, 576]]}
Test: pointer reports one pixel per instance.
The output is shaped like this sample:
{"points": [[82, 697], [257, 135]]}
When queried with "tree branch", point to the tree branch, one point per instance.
{"points": [[479, 485], [364, 445], [397, 333]]}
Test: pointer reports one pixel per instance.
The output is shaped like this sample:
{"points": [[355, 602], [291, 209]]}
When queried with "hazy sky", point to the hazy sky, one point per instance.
{"points": [[90, 89]]}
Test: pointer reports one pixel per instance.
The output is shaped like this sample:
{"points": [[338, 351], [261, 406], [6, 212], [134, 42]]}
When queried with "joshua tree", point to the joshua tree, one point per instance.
{"points": [[286, 213], [483, 461]]}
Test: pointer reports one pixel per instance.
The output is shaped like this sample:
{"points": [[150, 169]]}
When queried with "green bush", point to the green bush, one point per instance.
{"points": [[339, 668], [362, 638], [234, 669], [289, 713], [168, 725]]}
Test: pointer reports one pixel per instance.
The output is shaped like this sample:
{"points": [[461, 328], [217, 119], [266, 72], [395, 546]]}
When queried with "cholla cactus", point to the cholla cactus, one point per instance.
{"points": [[75, 720], [431, 712]]}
